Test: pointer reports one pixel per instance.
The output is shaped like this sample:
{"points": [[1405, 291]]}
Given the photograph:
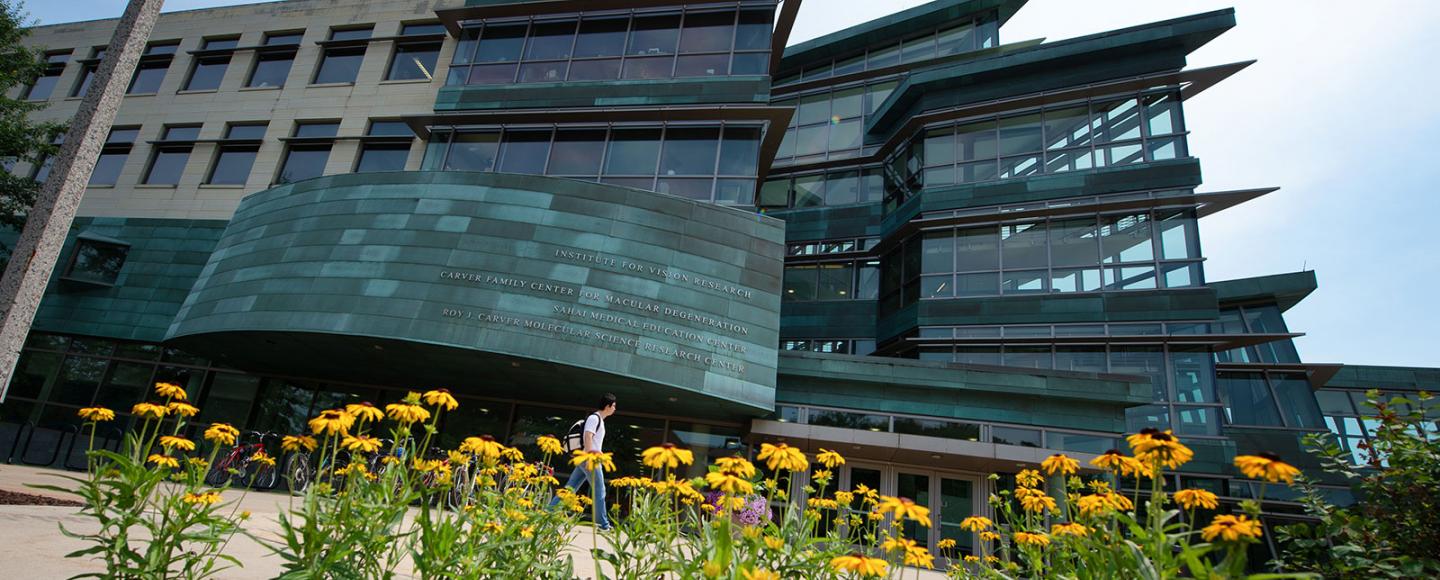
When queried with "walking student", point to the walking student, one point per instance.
{"points": [[592, 439]]}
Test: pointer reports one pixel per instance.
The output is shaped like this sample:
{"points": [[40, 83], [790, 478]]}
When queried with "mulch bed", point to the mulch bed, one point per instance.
{"points": [[16, 498]]}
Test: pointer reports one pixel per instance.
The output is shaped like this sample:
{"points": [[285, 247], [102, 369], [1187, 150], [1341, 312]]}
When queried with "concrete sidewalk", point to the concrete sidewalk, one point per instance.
{"points": [[32, 546]]}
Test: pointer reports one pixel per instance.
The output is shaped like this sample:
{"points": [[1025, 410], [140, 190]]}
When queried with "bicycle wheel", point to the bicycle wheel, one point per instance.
{"points": [[298, 473], [267, 477], [459, 493], [218, 473]]}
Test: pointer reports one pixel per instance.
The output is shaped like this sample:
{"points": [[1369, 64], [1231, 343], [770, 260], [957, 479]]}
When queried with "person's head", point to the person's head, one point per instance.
{"points": [[607, 405]]}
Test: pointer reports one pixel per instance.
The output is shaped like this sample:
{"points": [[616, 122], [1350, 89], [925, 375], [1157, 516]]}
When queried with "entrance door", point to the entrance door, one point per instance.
{"points": [[957, 502], [951, 497], [917, 487]]}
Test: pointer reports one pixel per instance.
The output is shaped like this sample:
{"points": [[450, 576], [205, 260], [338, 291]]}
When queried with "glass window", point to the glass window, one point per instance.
{"points": [[754, 31], [938, 252], [304, 162], [1145, 361], [1020, 135], [702, 65], [835, 281], [1130, 278], [422, 29], [1118, 120], [1297, 401], [593, 70], [739, 151], [96, 261], [809, 190], [414, 61], [707, 32], [350, 34], [473, 152], [382, 157], [1080, 443], [1334, 402], [918, 49], [1148, 416], [1023, 245], [550, 41], [271, 69], [79, 377], [1194, 376], [842, 188], [233, 164], [1015, 436], [653, 35], [577, 152], [977, 249], [633, 152], [340, 65], [284, 407], [868, 284], [45, 84], [848, 420], [976, 141], [167, 164], [689, 151], [1162, 114], [316, 129], [1179, 238], [524, 151], [1247, 400], [1073, 242], [501, 43], [800, 282], [813, 109], [1079, 280], [1126, 238], [207, 73], [228, 398], [601, 37], [389, 129], [1091, 359], [883, 57], [127, 384], [282, 38]]}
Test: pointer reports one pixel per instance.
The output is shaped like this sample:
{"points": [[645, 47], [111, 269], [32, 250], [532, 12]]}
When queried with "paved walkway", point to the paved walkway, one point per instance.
{"points": [[31, 545]]}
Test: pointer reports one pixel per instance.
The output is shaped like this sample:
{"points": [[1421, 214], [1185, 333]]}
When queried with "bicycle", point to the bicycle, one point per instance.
{"points": [[240, 467]]}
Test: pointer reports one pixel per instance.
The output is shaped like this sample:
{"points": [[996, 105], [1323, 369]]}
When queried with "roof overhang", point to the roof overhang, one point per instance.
{"points": [[1317, 374], [892, 27], [1284, 290], [1216, 341]]}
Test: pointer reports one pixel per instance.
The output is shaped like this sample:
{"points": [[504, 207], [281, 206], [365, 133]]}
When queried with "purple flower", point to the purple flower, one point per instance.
{"points": [[754, 513]]}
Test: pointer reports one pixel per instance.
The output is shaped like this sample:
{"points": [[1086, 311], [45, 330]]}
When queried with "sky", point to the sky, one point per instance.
{"points": [[1336, 113]]}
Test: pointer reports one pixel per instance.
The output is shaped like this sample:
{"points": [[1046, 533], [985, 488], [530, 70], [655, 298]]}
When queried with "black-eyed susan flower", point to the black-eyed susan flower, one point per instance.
{"points": [[332, 422], [360, 443], [972, 559], [197, 463], [844, 498], [590, 460], [182, 409], [1060, 463], [1031, 539], [206, 498], [298, 442], [903, 508], [485, 447], [221, 433], [736, 465], [860, 565], [1070, 529], [829, 459], [170, 391], [1029, 478], [667, 456], [1155, 447], [1037, 503], [172, 442], [1228, 528], [989, 536], [774, 543], [759, 574], [263, 458], [896, 544], [1196, 498], [441, 399], [976, 524], [945, 544], [1266, 466], [783, 456], [549, 445], [163, 460], [149, 410], [364, 412], [96, 414], [728, 482], [919, 557], [407, 413]]}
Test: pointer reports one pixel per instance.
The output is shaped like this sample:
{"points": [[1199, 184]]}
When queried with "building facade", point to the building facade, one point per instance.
{"points": [[940, 253]]}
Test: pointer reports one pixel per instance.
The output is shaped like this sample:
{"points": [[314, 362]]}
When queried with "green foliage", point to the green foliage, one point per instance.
{"points": [[21, 138], [1394, 530]]}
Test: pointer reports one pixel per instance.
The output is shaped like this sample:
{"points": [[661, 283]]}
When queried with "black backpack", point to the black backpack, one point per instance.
{"points": [[575, 438]]}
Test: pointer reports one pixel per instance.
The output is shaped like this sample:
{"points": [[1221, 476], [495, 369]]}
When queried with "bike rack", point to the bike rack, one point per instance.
{"points": [[15, 441], [53, 455]]}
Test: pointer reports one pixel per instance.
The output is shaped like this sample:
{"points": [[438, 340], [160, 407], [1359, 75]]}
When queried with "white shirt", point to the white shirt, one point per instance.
{"points": [[595, 426]]}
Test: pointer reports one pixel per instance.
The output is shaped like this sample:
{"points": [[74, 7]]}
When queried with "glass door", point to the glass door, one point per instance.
{"points": [[916, 487], [957, 502]]}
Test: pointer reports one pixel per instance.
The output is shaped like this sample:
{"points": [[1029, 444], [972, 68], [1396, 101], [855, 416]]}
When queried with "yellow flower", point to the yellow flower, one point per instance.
{"points": [[150, 411], [727, 482], [182, 409], [549, 445], [512, 454], [711, 569], [171, 442], [1029, 478], [1231, 529], [1100, 504], [485, 447], [1098, 486], [667, 456], [1155, 447], [829, 459], [360, 443], [902, 508], [332, 422], [1071, 529], [207, 498], [736, 465], [945, 544], [1266, 466], [1029, 539], [892, 544], [364, 412], [493, 527], [298, 442], [864, 566], [407, 413], [822, 503], [844, 498], [920, 557], [774, 543], [263, 458], [989, 536], [96, 414], [440, 398], [1037, 503], [783, 456], [759, 574], [1196, 498], [221, 433], [591, 460], [976, 523], [163, 460], [457, 457], [170, 391], [1060, 463], [821, 475], [527, 532], [972, 559], [198, 463]]}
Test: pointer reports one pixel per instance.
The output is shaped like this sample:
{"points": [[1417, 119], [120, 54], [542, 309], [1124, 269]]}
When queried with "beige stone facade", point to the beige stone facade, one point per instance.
{"points": [[370, 97]]}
